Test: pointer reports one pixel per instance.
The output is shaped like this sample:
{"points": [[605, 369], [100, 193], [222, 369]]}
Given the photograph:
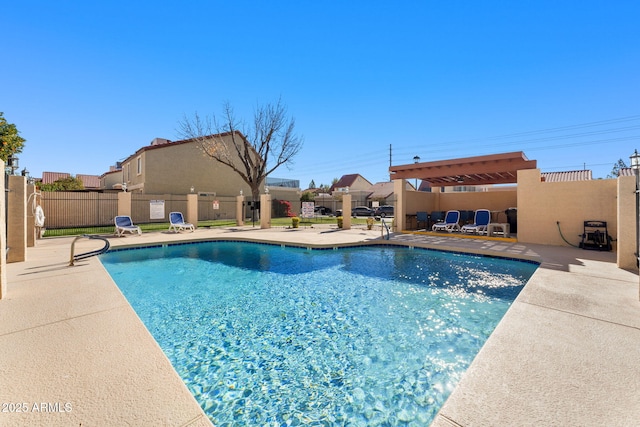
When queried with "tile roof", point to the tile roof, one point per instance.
{"points": [[581, 175], [89, 181], [381, 190], [347, 181], [385, 189], [626, 172], [50, 177]]}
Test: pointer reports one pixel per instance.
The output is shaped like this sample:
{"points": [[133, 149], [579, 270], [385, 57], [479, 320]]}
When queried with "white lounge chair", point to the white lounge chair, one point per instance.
{"points": [[125, 225], [177, 223], [481, 220], [450, 222]]}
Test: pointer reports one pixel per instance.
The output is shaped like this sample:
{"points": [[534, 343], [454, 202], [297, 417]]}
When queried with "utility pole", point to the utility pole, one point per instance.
{"points": [[390, 161]]}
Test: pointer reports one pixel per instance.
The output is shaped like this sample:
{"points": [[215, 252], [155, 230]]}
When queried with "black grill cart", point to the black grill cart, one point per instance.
{"points": [[595, 236]]}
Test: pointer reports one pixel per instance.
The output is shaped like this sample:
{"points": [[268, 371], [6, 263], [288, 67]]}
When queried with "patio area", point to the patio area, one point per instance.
{"points": [[75, 353]]}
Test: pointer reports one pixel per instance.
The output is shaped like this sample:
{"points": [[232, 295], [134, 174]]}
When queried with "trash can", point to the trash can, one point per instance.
{"points": [[512, 219]]}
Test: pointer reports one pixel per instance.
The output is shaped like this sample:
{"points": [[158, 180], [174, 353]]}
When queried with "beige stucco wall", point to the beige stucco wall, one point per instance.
{"points": [[495, 201], [499, 201], [542, 204], [421, 201], [627, 223]]}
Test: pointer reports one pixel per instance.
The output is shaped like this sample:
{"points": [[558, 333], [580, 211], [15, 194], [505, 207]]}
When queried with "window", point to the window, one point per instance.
{"points": [[139, 161]]}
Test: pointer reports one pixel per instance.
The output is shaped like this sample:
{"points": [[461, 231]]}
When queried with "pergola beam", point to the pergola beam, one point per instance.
{"points": [[481, 170]]}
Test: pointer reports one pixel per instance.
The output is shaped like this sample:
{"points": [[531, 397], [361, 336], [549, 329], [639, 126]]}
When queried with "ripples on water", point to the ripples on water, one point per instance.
{"points": [[265, 335]]}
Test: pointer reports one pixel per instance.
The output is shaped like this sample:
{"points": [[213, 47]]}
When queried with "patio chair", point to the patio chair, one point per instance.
{"points": [[450, 222], [480, 222], [125, 225], [435, 217], [177, 223], [422, 217]]}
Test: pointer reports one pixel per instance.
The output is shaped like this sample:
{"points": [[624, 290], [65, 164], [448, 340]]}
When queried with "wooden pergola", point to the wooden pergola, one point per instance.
{"points": [[480, 170]]}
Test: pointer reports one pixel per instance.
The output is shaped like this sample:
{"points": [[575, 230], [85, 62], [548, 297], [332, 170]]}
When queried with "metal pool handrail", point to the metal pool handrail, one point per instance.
{"points": [[78, 257], [384, 225]]}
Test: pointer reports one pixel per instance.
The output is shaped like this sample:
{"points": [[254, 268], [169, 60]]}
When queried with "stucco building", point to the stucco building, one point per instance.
{"points": [[181, 167]]}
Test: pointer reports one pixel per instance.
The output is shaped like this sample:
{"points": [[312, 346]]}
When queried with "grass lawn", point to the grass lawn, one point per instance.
{"points": [[163, 226]]}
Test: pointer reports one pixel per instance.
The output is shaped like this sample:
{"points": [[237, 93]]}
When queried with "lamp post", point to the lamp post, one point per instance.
{"points": [[635, 165], [416, 159], [12, 165]]}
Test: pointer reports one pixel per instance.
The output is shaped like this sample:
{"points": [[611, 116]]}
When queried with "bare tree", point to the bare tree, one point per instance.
{"points": [[255, 150]]}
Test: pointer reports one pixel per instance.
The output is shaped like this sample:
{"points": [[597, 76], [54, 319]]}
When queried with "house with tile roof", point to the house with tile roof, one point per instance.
{"points": [[90, 182], [350, 183], [112, 180], [382, 192], [51, 177]]}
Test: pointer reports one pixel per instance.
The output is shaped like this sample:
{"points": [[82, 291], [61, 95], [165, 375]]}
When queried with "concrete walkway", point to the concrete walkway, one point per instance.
{"points": [[74, 353]]}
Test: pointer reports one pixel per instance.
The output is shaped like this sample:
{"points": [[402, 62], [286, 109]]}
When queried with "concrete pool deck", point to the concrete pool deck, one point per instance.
{"points": [[73, 351]]}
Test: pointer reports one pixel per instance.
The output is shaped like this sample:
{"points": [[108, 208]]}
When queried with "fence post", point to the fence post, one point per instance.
{"points": [[3, 239], [17, 219], [124, 203], [192, 209], [240, 210], [265, 211], [346, 212]]}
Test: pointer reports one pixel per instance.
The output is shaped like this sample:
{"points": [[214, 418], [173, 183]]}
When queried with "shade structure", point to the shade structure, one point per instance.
{"points": [[480, 170]]}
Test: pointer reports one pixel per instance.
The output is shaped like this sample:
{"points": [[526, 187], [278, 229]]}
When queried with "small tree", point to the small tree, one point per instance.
{"points": [[10, 140], [261, 147], [63, 184], [615, 172], [307, 196]]}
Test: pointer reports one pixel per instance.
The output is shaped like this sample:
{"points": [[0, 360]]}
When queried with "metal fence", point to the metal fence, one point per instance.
{"points": [[66, 209], [212, 208], [150, 208]]}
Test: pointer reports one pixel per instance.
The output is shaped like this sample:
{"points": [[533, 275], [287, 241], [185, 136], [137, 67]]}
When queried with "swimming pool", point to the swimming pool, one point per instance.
{"points": [[272, 335]]}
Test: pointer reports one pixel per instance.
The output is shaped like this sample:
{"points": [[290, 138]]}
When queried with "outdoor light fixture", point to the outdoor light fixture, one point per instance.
{"points": [[416, 159], [635, 161], [266, 190], [124, 187], [241, 192], [12, 165], [192, 189], [635, 166]]}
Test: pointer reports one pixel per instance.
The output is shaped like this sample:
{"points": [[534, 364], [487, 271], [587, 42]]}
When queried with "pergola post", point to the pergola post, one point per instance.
{"points": [[400, 210]]}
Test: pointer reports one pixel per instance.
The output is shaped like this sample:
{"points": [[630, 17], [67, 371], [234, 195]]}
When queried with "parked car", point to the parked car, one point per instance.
{"points": [[361, 211], [322, 210], [384, 211]]}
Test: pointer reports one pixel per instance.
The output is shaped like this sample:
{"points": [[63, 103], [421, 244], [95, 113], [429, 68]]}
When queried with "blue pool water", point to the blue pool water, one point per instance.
{"points": [[267, 335]]}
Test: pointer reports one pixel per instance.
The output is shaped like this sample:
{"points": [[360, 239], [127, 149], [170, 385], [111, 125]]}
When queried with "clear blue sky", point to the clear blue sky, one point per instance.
{"points": [[88, 83]]}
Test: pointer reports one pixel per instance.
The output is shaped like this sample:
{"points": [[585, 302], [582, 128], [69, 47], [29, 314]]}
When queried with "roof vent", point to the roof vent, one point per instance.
{"points": [[159, 141]]}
